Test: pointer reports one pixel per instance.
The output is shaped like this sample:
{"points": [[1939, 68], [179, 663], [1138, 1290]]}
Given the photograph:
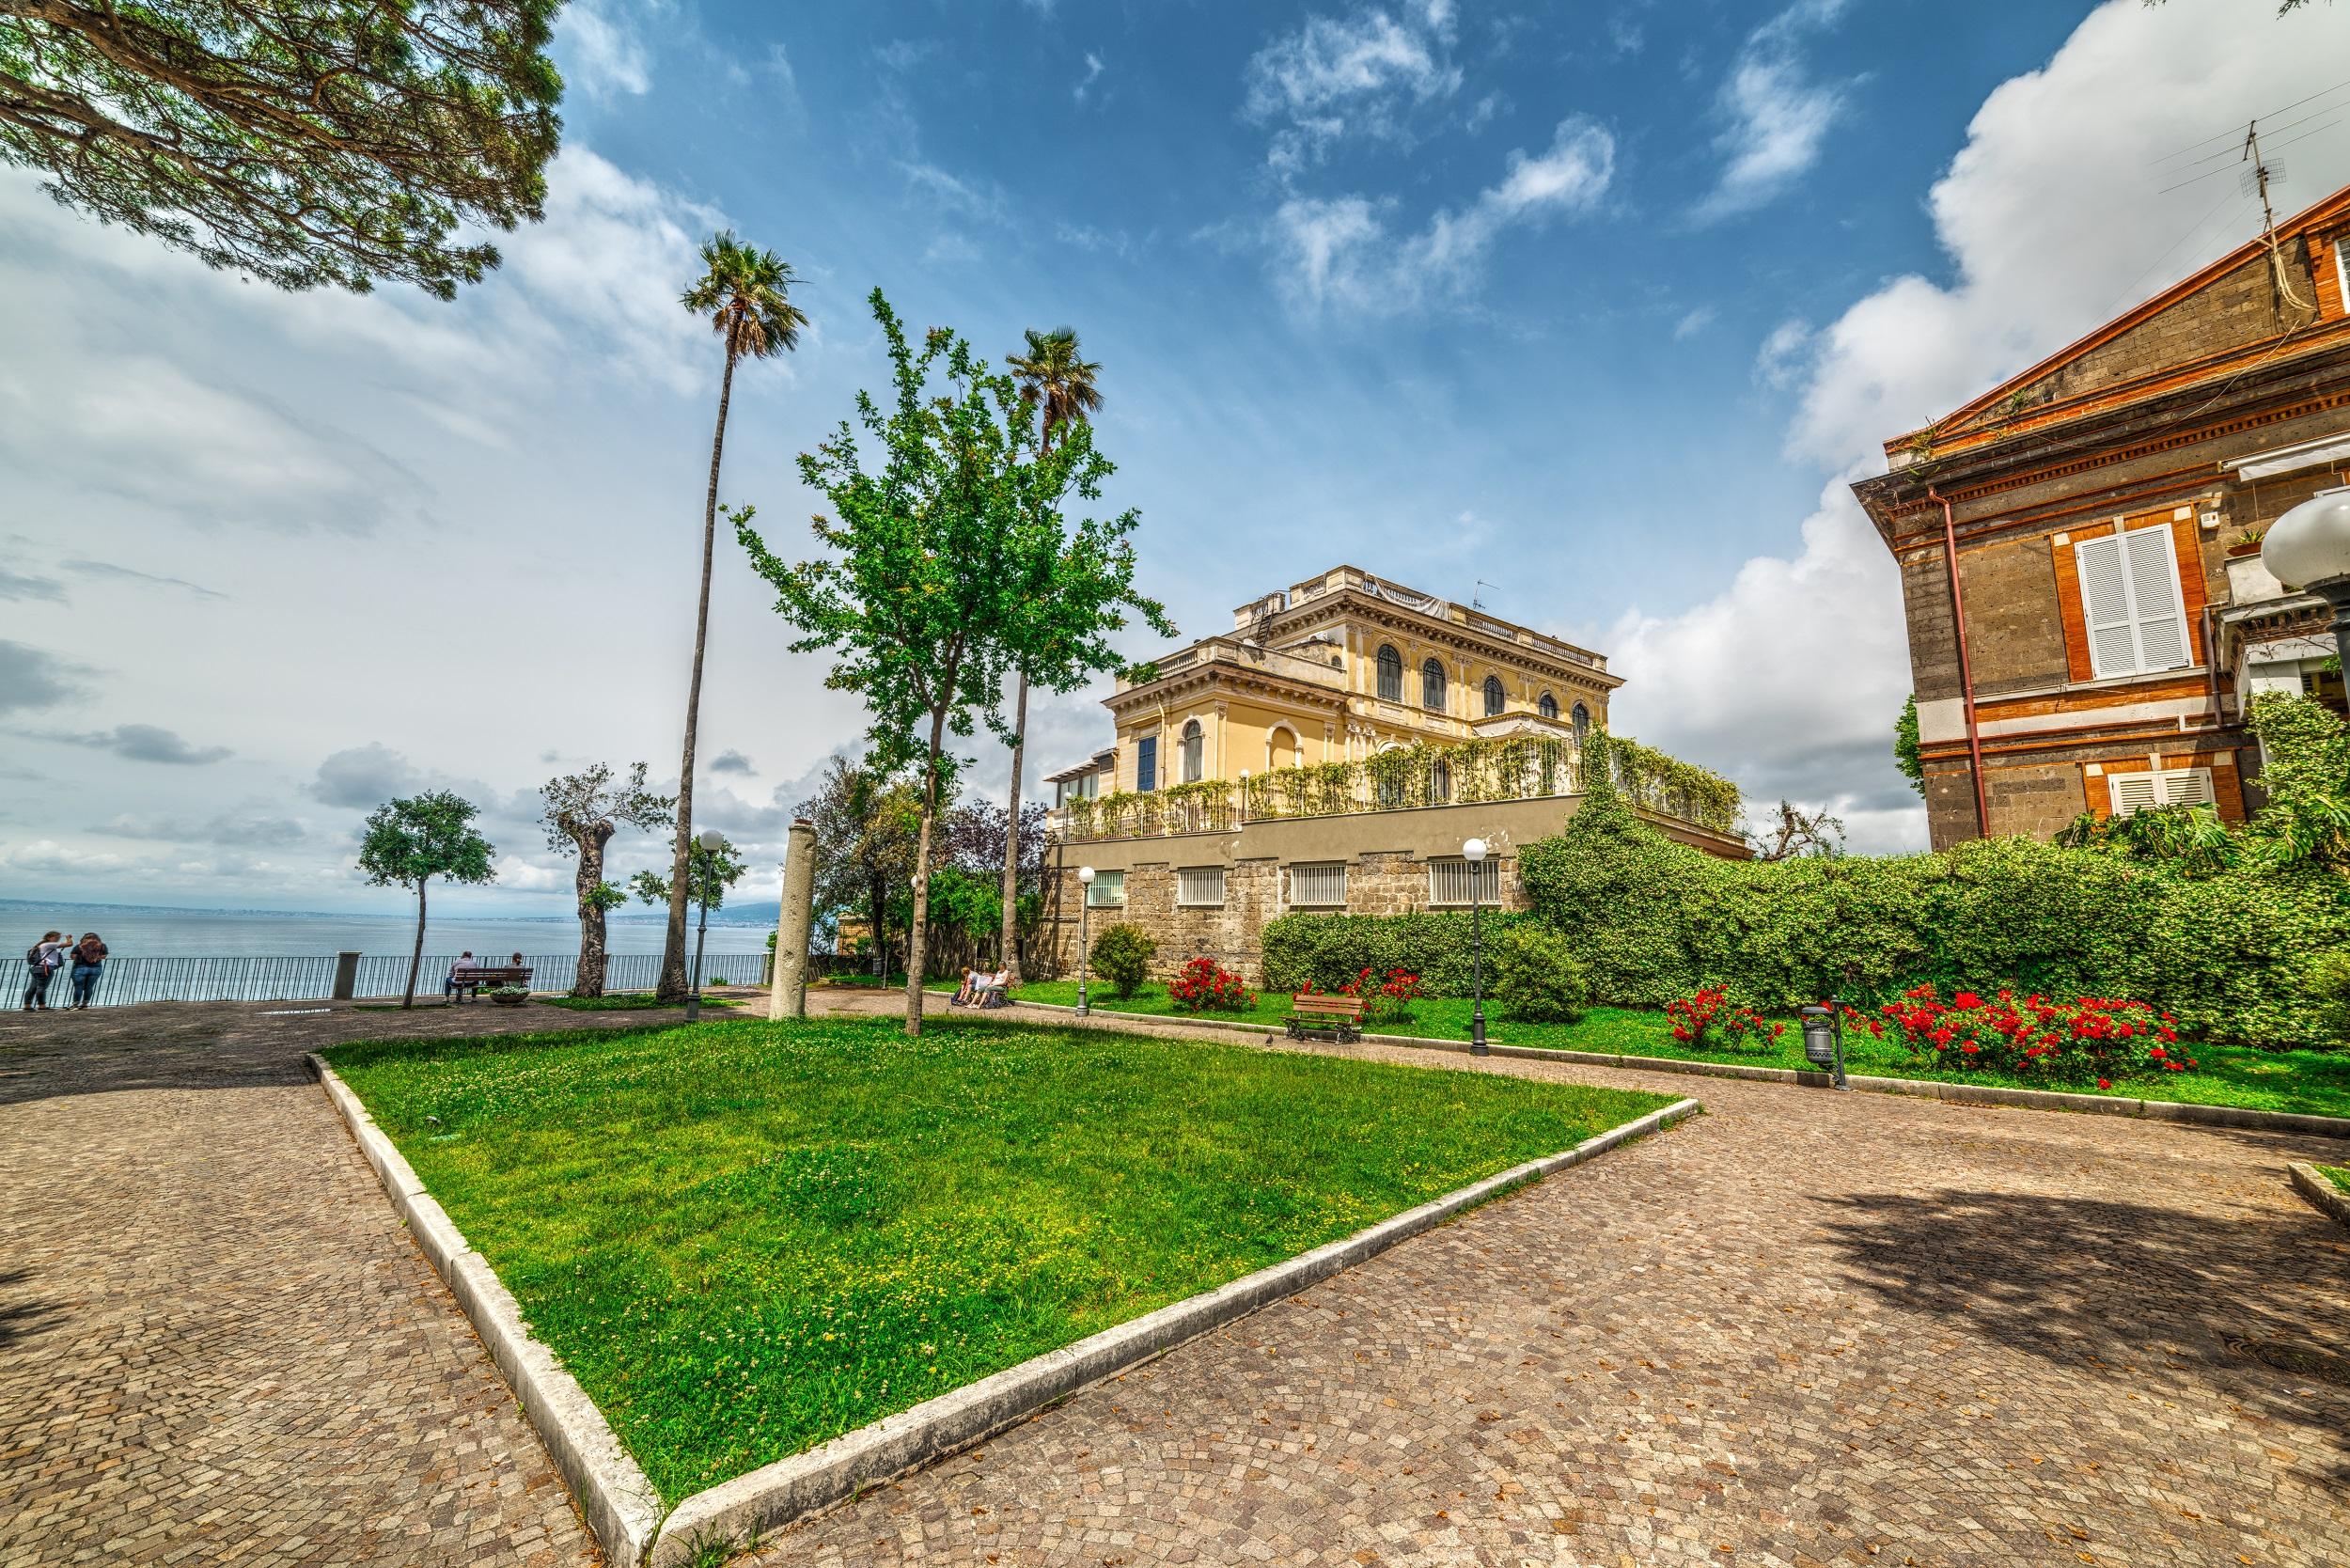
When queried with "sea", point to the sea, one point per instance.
{"points": [[139, 930]]}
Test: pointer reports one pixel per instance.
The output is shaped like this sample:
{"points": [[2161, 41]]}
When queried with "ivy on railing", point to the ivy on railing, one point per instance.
{"points": [[1516, 767]]}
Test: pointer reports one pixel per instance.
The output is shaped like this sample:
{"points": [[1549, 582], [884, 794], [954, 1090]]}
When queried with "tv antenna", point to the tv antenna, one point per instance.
{"points": [[2258, 178], [1476, 600]]}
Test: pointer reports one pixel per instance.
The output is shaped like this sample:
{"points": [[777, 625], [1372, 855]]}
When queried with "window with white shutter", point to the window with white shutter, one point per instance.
{"points": [[1107, 890], [2139, 792], [2131, 603], [1318, 887], [1198, 885]]}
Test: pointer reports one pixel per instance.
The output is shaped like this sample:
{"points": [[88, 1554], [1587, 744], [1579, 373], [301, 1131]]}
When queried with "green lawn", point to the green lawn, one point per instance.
{"points": [[624, 1002], [2316, 1082], [748, 1237], [2336, 1174]]}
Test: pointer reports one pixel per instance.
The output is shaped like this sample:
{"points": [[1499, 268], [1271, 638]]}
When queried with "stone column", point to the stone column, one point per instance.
{"points": [[346, 977], [788, 998]]}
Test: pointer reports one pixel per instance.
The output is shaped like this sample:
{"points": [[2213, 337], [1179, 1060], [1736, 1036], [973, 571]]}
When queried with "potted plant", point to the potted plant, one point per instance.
{"points": [[2245, 543], [509, 996]]}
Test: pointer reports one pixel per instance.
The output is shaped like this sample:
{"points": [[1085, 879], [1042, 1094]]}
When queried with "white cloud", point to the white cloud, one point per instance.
{"points": [[603, 53], [1093, 74], [2052, 213], [1338, 252], [1785, 354], [1789, 680], [1777, 116], [141, 742], [1694, 322], [1358, 75]]}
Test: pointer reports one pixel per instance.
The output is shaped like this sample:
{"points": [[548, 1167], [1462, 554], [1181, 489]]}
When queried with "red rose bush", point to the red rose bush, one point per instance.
{"points": [[1203, 985], [2090, 1037]]}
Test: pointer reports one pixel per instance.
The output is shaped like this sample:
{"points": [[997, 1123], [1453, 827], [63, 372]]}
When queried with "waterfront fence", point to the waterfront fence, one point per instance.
{"points": [[381, 976]]}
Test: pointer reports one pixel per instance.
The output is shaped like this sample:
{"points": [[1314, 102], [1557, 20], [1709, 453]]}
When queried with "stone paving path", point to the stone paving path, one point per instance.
{"points": [[1803, 1328], [217, 1345]]}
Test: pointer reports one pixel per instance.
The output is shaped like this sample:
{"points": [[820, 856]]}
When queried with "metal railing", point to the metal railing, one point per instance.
{"points": [[126, 981]]}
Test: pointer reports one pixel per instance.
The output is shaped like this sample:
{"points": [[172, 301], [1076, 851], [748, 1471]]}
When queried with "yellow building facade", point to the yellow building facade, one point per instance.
{"points": [[1338, 668]]}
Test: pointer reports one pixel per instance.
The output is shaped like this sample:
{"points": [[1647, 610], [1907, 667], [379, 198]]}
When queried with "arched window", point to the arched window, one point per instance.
{"points": [[1432, 685], [1494, 695], [1281, 748], [1582, 724], [1548, 707], [1390, 674], [1192, 748]]}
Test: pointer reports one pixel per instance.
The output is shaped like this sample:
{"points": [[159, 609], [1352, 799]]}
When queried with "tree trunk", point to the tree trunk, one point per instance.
{"points": [[672, 983], [589, 980], [1010, 956], [415, 955], [919, 928]]}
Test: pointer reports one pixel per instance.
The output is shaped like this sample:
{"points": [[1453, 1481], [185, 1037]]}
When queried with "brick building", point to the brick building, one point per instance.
{"points": [[2110, 619], [1332, 753]]}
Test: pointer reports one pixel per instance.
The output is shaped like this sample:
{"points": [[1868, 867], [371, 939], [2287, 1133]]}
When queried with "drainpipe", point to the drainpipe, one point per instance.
{"points": [[1965, 667]]}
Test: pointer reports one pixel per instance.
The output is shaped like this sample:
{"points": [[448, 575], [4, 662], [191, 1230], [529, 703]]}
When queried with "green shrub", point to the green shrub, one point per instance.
{"points": [[1328, 951], [1122, 955], [1537, 978], [2329, 994]]}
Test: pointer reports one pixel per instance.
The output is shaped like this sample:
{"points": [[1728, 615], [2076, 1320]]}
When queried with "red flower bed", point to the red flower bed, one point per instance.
{"points": [[2100, 1038], [1707, 1021], [1384, 1002], [1206, 986]]}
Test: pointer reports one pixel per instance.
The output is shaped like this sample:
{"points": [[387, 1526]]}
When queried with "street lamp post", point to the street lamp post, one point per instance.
{"points": [[711, 842], [1823, 1037], [1085, 908], [2309, 548], [1474, 852]]}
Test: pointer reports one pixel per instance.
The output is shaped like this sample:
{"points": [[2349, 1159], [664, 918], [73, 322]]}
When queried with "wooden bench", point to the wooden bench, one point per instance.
{"points": [[1340, 1018], [473, 977]]}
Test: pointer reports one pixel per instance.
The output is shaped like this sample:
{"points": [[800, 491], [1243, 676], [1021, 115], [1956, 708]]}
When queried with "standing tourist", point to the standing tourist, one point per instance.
{"points": [[41, 960], [90, 962]]}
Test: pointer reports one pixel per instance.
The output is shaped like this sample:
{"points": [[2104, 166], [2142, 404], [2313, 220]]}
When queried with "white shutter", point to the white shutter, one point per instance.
{"points": [[1107, 890], [2131, 792], [2130, 602], [2154, 563], [2105, 607], [2186, 787]]}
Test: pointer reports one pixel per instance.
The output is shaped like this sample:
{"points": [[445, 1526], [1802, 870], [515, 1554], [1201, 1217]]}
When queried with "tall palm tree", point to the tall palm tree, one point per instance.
{"points": [[1059, 382], [746, 293]]}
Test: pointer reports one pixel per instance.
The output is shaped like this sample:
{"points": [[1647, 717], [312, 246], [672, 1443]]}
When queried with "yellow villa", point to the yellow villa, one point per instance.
{"points": [[1332, 751]]}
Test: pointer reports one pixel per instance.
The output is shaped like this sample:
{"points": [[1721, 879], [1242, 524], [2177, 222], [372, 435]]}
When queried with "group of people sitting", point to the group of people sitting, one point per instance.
{"points": [[458, 990], [982, 989]]}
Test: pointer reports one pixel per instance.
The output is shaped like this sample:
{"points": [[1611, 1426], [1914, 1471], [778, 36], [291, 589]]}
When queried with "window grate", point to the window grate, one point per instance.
{"points": [[1107, 891], [1198, 886], [1448, 882], [1318, 887]]}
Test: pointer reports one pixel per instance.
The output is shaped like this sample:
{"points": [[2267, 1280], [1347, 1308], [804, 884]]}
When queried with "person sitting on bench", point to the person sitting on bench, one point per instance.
{"points": [[995, 989], [450, 986], [968, 991]]}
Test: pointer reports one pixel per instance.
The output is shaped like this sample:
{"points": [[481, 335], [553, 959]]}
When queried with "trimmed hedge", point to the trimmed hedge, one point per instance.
{"points": [[2234, 956], [1329, 950]]}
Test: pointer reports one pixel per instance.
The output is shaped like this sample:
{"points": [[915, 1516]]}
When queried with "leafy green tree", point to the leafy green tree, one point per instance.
{"points": [[710, 872], [912, 598], [866, 822], [409, 841], [583, 811], [306, 145], [1905, 755], [1073, 591], [746, 295]]}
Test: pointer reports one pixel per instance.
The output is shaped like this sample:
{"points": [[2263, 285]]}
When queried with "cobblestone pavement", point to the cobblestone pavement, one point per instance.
{"points": [[217, 1344], [1803, 1328]]}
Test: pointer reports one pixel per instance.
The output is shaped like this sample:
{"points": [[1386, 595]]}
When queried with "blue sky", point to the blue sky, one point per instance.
{"points": [[1600, 304]]}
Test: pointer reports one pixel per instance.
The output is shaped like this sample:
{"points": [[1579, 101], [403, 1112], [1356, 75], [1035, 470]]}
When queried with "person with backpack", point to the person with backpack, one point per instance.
{"points": [[90, 962], [41, 959]]}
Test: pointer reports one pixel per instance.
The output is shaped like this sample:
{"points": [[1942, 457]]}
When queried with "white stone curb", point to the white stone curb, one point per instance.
{"points": [[2319, 1189], [790, 1489], [619, 1504], [1925, 1089]]}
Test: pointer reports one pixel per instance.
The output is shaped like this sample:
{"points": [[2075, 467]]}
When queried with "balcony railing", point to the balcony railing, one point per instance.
{"points": [[1232, 652], [1518, 767]]}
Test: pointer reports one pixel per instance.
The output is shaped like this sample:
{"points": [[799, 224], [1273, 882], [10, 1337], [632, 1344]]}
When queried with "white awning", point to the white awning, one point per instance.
{"points": [[2323, 452]]}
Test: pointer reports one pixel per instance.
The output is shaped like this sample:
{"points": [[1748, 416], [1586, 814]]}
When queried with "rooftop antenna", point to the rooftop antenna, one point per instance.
{"points": [[1476, 600], [2258, 179]]}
